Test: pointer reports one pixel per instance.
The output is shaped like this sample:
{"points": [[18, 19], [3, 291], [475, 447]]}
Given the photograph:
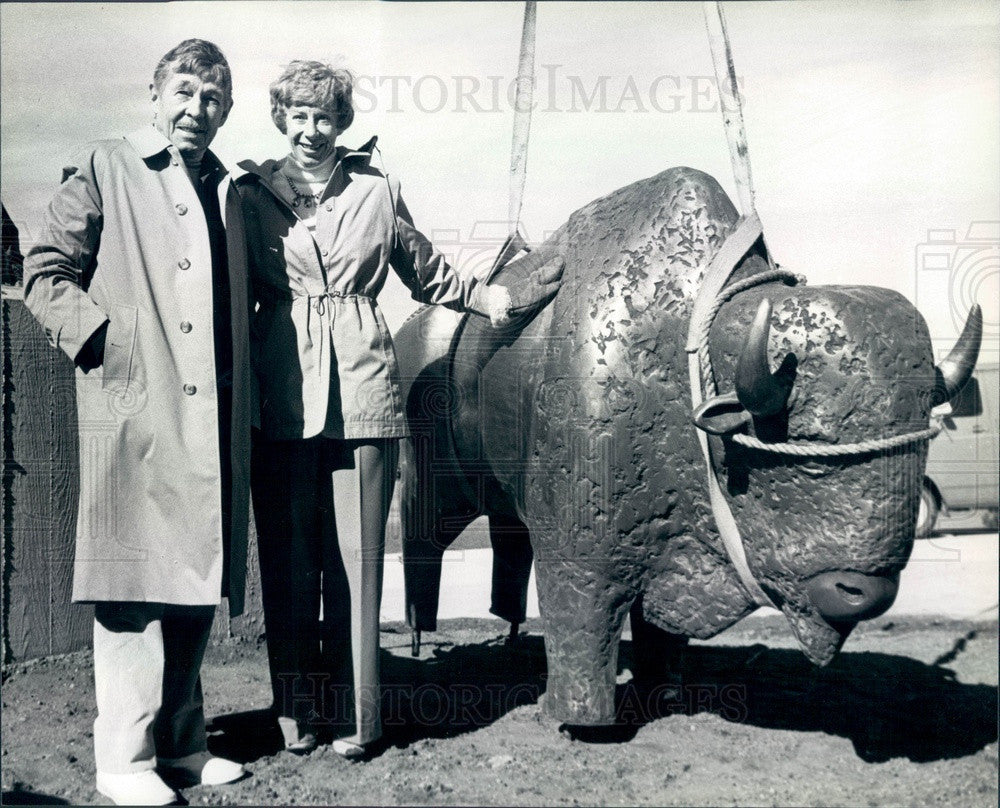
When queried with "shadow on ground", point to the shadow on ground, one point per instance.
{"points": [[20, 796], [888, 706]]}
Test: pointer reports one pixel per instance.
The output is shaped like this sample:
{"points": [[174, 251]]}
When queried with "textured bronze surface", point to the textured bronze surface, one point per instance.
{"points": [[579, 425]]}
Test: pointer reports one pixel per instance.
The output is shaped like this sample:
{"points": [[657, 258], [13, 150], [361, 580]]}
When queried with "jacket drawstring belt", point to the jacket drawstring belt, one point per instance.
{"points": [[317, 302], [322, 307]]}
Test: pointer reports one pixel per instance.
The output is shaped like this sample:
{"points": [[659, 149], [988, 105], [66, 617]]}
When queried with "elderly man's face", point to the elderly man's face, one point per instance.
{"points": [[189, 111]]}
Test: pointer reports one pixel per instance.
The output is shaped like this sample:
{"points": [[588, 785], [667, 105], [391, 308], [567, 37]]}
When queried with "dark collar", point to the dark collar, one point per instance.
{"points": [[362, 154], [364, 151]]}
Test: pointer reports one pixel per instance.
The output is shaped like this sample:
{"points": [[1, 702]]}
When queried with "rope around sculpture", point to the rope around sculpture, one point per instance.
{"points": [[811, 448], [836, 450], [703, 329]]}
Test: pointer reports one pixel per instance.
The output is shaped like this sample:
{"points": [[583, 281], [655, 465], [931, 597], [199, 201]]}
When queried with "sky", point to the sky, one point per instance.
{"points": [[873, 127]]}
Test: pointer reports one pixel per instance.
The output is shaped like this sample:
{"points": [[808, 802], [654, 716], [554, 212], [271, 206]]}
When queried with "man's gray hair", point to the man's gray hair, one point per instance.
{"points": [[199, 58]]}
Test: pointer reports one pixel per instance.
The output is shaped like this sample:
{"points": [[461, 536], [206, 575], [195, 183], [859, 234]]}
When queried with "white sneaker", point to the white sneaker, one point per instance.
{"points": [[201, 769], [136, 788]]}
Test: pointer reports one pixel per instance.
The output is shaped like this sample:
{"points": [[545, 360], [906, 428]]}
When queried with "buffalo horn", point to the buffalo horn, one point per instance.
{"points": [[956, 368], [761, 392]]}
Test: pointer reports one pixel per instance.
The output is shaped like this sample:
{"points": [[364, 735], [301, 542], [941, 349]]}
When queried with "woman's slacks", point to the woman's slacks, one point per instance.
{"points": [[320, 506]]}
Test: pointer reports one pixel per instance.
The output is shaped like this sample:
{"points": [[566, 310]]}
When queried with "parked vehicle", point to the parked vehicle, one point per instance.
{"points": [[962, 462]]}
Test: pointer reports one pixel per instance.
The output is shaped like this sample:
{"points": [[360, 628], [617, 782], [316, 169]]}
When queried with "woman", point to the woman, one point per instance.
{"points": [[324, 226]]}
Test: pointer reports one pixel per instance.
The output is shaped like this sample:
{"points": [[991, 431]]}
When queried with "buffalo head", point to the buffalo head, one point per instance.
{"points": [[827, 534]]}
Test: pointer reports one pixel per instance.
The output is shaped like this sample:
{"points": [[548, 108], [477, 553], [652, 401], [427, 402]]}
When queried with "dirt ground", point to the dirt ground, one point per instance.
{"points": [[907, 715]]}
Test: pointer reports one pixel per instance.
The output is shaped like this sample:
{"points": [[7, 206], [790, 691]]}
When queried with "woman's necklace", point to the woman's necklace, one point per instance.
{"points": [[305, 200]]}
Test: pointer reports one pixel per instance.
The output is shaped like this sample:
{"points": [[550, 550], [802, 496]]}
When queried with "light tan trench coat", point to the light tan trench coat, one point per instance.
{"points": [[324, 358], [125, 240]]}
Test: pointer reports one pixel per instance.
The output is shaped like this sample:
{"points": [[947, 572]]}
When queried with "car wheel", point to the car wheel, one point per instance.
{"points": [[928, 512]]}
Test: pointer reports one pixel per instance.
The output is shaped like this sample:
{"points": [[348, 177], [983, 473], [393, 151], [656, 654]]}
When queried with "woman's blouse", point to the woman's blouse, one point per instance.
{"points": [[302, 188], [323, 355]]}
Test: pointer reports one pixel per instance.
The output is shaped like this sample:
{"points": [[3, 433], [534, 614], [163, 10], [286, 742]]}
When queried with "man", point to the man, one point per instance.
{"points": [[139, 275]]}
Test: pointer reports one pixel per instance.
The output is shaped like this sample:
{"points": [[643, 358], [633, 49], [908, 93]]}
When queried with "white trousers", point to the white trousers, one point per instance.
{"points": [[147, 658]]}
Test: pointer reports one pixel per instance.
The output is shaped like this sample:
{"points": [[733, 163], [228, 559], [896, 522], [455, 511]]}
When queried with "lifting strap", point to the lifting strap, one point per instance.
{"points": [[516, 242], [725, 260], [732, 113], [732, 116], [522, 117], [738, 243]]}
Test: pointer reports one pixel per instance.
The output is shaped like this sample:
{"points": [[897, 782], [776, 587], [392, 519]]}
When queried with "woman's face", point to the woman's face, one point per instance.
{"points": [[311, 132]]}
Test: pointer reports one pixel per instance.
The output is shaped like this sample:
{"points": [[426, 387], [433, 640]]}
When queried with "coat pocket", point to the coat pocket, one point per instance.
{"points": [[119, 348]]}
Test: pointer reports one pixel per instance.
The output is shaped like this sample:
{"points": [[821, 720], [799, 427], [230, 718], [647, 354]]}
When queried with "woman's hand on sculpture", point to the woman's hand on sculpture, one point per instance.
{"points": [[506, 302]]}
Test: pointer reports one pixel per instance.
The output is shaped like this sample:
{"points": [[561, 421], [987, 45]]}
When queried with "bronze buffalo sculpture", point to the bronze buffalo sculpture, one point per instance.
{"points": [[575, 431]]}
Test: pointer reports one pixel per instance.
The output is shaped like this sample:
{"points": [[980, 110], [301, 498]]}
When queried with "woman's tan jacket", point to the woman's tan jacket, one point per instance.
{"points": [[320, 347]]}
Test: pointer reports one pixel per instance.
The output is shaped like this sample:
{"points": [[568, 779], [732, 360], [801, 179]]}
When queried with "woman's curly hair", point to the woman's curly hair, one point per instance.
{"points": [[314, 84]]}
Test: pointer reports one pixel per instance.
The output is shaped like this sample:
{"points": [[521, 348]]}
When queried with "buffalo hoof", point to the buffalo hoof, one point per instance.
{"points": [[579, 702], [614, 733], [512, 635]]}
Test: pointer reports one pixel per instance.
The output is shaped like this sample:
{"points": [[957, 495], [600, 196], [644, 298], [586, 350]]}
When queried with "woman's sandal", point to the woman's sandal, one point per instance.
{"points": [[348, 750], [299, 740], [303, 746]]}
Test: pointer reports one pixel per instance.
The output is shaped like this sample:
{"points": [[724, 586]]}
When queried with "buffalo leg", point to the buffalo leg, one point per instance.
{"points": [[511, 569], [429, 525], [583, 617], [654, 651], [422, 558]]}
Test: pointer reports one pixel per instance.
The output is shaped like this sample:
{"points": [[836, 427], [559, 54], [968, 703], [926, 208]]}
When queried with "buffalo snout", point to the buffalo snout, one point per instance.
{"points": [[851, 596]]}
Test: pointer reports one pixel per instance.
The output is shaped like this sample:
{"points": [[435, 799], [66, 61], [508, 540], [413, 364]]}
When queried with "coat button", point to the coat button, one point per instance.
{"points": [[326, 252], [174, 163], [190, 389], [329, 207], [186, 327], [181, 209], [184, 263]]}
